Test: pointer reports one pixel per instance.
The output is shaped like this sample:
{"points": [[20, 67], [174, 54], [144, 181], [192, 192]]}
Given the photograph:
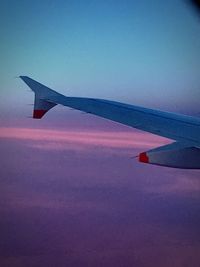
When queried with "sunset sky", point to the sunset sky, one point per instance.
{"points": [[72, 193]]}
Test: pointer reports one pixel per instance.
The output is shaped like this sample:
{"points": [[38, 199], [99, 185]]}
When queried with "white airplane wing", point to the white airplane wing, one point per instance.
{"points": [[184, 130]]}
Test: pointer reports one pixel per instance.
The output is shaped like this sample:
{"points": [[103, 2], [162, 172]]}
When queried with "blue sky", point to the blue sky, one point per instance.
{"points": [[141, 52]]}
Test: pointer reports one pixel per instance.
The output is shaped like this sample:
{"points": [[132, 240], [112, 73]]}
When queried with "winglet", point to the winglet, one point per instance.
{"points": [[42, 94]]}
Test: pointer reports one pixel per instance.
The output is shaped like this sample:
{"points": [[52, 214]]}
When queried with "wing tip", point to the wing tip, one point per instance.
{"points": [[39, 113]]}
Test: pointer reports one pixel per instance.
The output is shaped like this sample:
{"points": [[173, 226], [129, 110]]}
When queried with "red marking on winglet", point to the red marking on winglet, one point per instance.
{"points": [[143, 157], [38, 113]]}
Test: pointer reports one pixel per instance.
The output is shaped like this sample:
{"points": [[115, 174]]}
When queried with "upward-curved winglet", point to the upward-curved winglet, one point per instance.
{"points": [[42, 93]]}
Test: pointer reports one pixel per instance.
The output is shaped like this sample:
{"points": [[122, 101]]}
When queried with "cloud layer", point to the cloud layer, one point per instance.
{"points": [[76, 198]]}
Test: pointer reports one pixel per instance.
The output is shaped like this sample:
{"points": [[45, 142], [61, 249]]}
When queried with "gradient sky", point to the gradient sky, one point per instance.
{"points": [[71, 192], [122, 50]]}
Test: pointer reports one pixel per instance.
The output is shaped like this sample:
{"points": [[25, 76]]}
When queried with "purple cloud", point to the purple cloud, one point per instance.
{"points": [[76, 198]]}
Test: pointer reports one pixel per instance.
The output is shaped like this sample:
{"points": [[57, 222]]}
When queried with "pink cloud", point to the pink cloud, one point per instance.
{"points": [[59, 139]]}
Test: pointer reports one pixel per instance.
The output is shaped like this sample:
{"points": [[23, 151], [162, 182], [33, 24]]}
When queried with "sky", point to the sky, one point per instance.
{"points": [[72, 193], [121, 50]]}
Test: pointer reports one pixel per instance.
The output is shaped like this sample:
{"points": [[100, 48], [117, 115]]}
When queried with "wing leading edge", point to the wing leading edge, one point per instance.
{"points": [[181, 128]]}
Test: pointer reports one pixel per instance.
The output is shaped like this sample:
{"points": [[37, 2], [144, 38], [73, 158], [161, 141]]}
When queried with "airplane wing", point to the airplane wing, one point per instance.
{"points": [[184, 130]]}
